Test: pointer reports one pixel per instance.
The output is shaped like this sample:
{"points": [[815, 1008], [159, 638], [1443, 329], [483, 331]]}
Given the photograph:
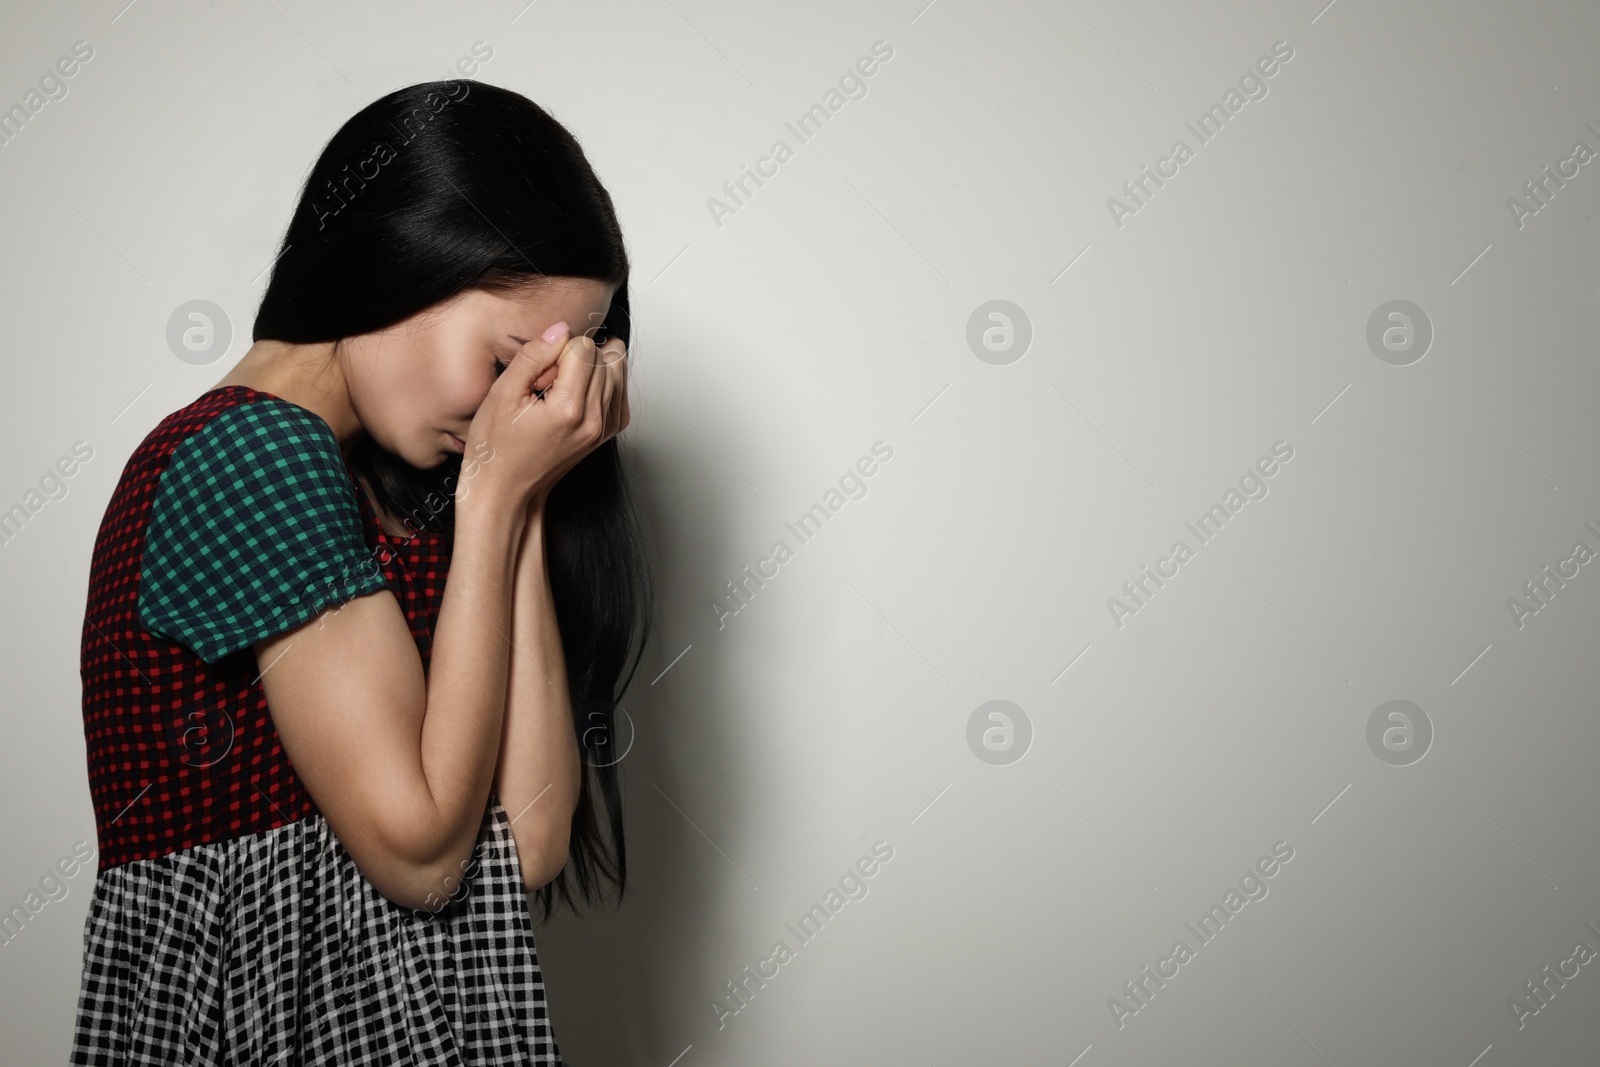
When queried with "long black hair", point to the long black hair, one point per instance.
{"points": [[447, 186]]}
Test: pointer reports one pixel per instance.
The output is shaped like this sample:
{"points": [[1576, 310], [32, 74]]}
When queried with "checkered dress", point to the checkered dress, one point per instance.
{"points": [[228, 925]]}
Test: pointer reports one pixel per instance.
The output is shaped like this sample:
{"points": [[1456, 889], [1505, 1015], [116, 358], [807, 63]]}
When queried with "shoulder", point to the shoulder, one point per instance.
{"points": [[264, 456], [254, 527], [270, 430]]}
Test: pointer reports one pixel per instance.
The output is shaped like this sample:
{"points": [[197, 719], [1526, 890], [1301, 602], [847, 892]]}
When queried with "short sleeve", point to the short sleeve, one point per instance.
{"points": [[253, 530]]}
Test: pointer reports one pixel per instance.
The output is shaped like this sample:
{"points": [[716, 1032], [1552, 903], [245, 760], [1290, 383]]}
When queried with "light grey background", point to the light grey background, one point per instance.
{"points": [[830, 312]]}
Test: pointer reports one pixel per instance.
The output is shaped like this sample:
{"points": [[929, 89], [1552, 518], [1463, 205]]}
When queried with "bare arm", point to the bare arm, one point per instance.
{"points": [[402, 763], [539, 770], [399, 764]]}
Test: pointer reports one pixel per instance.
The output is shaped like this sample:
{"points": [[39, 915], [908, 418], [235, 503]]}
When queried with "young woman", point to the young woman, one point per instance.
{"points": [[358, 617]]}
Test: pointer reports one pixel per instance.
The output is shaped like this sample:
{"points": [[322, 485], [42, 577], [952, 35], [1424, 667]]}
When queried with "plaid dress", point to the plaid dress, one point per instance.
{"points": [[228, 925]]}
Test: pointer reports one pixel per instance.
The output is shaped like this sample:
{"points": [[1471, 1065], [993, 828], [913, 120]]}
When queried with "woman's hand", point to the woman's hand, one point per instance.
{"points": [[535, 439], [609, 359]]}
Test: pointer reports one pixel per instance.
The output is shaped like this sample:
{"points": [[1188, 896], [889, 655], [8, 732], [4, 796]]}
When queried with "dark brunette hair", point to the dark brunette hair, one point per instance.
{"points": [[447, 186]]}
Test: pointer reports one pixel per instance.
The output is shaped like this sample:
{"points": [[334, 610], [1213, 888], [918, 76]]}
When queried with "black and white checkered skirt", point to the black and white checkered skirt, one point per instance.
{"points": [[274, 949]]}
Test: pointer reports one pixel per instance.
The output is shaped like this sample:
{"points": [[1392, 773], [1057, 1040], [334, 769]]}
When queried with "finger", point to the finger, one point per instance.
{"points": [[533, 360], [570, 375], [595, 383], [617, 400], [595, 408], [614, 358], [608, 405], [610, 347], [605, 351]]}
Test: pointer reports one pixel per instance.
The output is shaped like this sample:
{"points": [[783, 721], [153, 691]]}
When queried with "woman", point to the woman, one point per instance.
{"points": [[358, 617]]}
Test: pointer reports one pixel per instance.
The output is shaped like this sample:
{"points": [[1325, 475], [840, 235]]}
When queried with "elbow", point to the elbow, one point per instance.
{"points": [[428, 883], [550, 872], [413, 870], [418, 888], [542, 866], [434, 888], [542, 847], [430, 887]]}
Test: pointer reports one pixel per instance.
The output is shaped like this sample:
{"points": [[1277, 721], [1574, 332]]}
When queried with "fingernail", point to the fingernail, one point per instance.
{"points": [[555, 331]]}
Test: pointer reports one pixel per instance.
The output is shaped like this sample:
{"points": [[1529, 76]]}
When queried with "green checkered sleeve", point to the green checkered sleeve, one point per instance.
{"points": [[253, 530]]}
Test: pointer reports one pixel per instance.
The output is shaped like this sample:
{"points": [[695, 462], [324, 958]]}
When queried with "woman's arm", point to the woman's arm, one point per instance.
{"points": [[539, 770], [400, 764]]}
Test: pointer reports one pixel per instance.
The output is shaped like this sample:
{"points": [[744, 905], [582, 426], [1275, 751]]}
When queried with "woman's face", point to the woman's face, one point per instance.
{"points": [[416, 385]]}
